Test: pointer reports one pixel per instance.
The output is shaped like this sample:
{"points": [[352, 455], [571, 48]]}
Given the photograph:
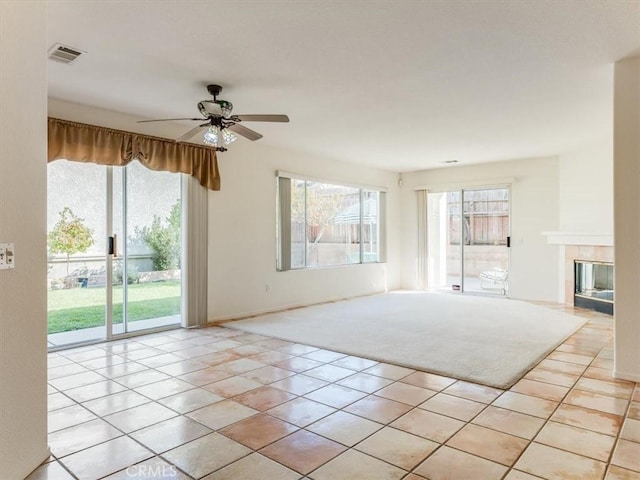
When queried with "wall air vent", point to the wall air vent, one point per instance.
{"points": [[64, 54]]}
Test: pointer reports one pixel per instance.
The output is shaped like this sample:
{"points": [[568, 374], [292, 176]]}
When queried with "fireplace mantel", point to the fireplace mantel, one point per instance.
{"points": [[579, 238]]}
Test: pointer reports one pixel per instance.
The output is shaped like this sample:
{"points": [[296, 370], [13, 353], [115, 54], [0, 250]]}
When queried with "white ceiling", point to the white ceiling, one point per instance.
{"points": [[401, 85]]}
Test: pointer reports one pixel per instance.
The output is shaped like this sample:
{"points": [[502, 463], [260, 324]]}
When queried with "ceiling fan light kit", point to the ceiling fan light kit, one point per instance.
{"points": [[222, 127], [213, 134]]}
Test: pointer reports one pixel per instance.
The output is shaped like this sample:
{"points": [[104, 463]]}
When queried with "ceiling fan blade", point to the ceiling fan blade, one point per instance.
{"points": [[261, 118], [169, 120], [192, 133], [245, 132]]}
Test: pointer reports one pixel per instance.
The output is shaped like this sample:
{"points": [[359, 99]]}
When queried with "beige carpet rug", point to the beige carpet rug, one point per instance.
{"points": [[492, 341]]}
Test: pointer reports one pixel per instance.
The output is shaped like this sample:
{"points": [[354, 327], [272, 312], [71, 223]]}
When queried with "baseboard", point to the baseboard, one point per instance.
{"points": [[283, 308], [632, 377], [44, 459]]}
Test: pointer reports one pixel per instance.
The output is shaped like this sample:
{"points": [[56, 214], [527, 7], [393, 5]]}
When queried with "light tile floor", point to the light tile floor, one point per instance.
{"points": [[217, 403]]}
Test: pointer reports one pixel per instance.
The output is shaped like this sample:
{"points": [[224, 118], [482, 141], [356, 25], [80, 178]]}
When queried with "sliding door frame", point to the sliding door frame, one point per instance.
{"points": [[109, 257], [423, 230], [186, 233], [462, 233], [124, 206]]}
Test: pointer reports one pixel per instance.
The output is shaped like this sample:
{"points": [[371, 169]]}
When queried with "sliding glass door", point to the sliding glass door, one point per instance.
{"points": [[147, 216], [77, 246], [467, 241], [485, 242], [120, 269]]}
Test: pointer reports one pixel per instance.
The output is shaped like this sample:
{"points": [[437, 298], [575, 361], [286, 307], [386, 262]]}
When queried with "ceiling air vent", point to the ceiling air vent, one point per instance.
{"points": [[64, 54]]}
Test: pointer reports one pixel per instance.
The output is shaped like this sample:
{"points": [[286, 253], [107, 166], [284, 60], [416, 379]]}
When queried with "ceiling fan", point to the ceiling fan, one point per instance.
{"points": [[220, 124]]}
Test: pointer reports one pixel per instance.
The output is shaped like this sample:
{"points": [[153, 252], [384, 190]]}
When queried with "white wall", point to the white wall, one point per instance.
{"points": [[534, 209], [23, 137], [627, 219], [242, 240], [242, 228], [585, 176]]}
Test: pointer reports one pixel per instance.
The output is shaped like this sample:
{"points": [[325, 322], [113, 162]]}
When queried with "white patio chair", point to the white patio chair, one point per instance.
{"points": [[495, 278]]}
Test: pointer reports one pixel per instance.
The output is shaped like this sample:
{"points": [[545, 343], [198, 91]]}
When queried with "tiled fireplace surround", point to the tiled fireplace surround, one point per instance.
{"points": [[597, 253]]}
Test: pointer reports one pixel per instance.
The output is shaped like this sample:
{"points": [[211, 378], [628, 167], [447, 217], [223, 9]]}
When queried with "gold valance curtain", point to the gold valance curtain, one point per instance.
{"points": [[80, 142]]}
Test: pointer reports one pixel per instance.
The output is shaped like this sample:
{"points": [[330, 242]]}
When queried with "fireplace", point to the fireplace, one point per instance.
{"points": [[593, 283], [585, 248]]}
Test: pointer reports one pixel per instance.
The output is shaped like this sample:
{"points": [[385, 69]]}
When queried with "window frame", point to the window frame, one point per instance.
{"points": [[283, 221]]}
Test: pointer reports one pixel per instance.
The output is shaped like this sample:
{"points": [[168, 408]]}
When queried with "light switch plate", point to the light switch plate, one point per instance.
{"points": [[7, 256]]}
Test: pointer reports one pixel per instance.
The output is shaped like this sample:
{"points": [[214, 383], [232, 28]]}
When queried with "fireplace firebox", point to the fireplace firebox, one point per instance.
{"points": [[593, 286]]}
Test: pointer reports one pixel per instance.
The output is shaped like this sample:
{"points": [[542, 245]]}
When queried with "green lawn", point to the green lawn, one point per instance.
{"points": [[76, 308]]}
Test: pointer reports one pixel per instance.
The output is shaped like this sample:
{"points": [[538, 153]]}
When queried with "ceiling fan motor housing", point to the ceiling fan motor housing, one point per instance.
{"points": [[220, 108]]}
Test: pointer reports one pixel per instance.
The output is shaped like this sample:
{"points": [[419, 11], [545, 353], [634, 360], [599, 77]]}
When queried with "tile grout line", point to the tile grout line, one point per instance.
{"points": [[618, 436], [334, 383], [548, 419]]}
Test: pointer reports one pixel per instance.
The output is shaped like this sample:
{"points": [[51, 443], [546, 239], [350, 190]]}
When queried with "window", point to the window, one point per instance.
{"points": [[322, 224]]}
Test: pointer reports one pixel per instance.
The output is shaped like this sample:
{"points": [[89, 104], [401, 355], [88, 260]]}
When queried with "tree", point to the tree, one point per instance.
{"points": [[318, 203], [164, 239], [70, 235]]}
